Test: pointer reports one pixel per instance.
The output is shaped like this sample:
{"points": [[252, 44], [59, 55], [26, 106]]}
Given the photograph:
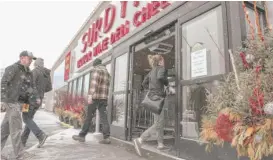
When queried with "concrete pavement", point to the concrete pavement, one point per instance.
{"points": [[48, 122], [62, 147]]}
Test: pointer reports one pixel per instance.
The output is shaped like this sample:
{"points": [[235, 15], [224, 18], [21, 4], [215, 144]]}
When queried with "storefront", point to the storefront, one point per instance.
{"points": [[193, 37]]}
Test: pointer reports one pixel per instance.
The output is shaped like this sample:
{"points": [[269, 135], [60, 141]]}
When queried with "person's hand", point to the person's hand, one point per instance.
{"points": [[89, 100], [3, 107]]}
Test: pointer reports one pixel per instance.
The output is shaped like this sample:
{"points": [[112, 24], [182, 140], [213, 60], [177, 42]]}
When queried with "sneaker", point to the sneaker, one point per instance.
{"points": [[42, 140], [161, 146], [25, 156], [137, 145], [78, 138], [105, 141]]}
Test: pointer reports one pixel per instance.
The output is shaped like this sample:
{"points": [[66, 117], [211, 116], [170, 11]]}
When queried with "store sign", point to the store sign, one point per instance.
{"points": [[67, 66], [199, 63], [117, 20]]}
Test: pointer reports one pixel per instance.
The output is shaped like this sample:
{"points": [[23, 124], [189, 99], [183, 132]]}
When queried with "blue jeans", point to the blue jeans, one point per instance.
{"points": [[30, 125]]}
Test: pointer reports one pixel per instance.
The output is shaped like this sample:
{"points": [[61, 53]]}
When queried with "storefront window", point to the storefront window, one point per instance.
{"points": [[74, 87], [203, 45], [252, 18], [118, 115], [120, 73], [118, 110], [194, 106], [70, 88], [79, 93], [203, 56], [86, 85]]}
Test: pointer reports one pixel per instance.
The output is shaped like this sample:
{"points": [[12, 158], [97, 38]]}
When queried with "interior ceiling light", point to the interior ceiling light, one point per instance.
{"points": [[161, 48]]}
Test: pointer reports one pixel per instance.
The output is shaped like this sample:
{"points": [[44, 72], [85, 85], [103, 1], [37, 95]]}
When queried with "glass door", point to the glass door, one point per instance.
{"points": [[203, 62], [119, 96]]}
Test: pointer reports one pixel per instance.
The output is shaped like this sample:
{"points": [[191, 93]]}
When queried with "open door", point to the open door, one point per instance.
{"points": [[118, 101]]}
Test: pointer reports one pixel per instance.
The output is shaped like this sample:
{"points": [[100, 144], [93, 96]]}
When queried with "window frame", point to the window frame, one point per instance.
{"points": [[189, 17], [250, 5], [83, 83]]}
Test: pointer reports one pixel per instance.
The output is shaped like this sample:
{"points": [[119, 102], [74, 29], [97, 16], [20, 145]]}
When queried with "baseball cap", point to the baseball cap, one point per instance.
{"points": [[27, 53]]}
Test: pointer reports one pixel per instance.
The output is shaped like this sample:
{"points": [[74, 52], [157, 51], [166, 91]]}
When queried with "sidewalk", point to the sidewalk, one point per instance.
{"points": [[62, 147]]}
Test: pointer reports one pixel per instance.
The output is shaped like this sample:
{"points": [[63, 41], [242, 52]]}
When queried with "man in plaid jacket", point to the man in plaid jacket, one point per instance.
{"points": [[97, 99]]}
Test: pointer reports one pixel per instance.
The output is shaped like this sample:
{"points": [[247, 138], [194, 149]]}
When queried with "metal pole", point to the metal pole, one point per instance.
{"points": [[97, 121]]}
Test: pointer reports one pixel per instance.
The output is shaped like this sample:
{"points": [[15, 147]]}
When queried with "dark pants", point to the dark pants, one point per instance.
{"points": [[30, 125], [101, 106]]}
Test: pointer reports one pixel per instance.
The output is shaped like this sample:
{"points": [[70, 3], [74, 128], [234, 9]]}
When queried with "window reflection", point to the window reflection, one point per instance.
{"points": [[252, 18], [194, 102], [120, 73], [86, 85], [201, 56], [79, 93], [118, 110], [118, 114], [74, 88], [70, 87]]}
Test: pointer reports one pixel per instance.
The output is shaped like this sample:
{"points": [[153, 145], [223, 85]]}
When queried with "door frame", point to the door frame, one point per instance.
{"points": [[179, 59], [119, 132], [133, 50]]}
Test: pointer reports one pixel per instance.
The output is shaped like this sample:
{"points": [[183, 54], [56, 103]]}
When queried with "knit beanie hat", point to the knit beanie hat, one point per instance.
{"points": [[97, 62], [39, 62]]}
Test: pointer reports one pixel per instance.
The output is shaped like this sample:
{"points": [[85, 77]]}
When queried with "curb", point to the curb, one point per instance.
{"points": [[146, 152]]}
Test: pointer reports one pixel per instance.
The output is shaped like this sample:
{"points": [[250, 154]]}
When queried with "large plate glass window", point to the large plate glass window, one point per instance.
{"points": [[203, 45], [75, 88], [120, 77], [252, 17], [70, 88], [86, 85], [79, 93], [202, 59]]}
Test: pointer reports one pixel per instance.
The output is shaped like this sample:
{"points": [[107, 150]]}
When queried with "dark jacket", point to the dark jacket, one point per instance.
{"points": [[16, 84], [156, 80], [41, 77]]}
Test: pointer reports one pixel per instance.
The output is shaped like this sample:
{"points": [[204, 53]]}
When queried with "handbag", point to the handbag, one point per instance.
{"points": [[153, 104]]}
